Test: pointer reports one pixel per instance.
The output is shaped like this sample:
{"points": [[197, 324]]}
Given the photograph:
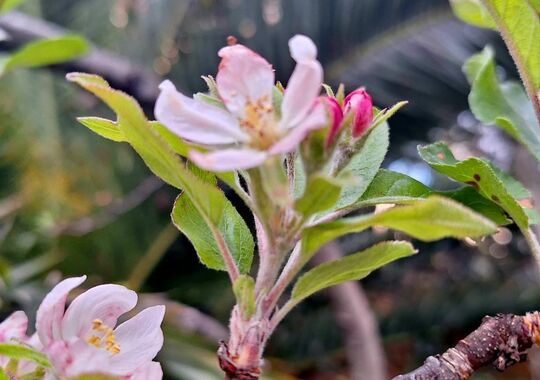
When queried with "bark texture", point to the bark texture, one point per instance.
{"points": [[502, 340]]}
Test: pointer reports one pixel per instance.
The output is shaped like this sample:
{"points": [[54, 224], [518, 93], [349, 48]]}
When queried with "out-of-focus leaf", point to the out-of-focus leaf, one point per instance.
{"points": [[19, 352], [243, 289], [431, 219], [45, 52], [6, 5], [391, 187], [504, 104], [473, 12], [103, 127], [519, 24], [363, 166], [321, 194], [351, 267], [231, 225]]}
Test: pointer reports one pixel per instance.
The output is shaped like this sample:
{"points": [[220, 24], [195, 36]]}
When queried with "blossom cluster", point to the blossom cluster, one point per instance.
{"points": [[85, 337], [248, 125]]}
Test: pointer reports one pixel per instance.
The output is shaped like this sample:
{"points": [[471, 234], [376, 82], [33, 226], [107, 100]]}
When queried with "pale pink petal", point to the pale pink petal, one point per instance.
{"points": [[51, 311], [305, 83], [77, 357], [150, 371], [195, 121], [14, 327], [228, 159], [243, 76], [317, 118], [302, 48], [140, 339], [103, 302]]}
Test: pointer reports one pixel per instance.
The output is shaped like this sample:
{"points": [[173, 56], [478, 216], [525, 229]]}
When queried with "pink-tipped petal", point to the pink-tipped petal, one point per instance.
{"points": [[317, 118], [336, 115], [243, 76], [359, 102], [103, 302], [140, 339], [51, 311], [305, 82], [150, 371], [195, 121], [228, 159], [14, 327]]}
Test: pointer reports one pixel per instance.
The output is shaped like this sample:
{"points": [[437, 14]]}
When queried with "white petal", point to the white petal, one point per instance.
{"points": [[140, 339], [303, 88], [317, 118], [228, 159], [243, 76], [51, 311], [151, 371], [103, 302], [77, 357], [195, 121], [14, 327], [302, 48]]}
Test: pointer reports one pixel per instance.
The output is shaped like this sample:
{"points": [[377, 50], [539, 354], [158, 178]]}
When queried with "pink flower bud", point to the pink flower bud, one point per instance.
{"points": [[361, 104], [336, 115]]}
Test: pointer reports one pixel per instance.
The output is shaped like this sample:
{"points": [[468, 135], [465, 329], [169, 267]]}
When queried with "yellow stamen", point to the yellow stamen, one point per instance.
{"points": [[104, 337]]}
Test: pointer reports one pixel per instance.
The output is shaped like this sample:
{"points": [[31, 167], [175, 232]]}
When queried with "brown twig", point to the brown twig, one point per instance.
{"points": [[501, 340], [110, 213]]}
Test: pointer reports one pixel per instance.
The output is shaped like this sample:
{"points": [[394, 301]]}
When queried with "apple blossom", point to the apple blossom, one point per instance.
{"points": [[84, 338], [246, 132], [336, 116]]}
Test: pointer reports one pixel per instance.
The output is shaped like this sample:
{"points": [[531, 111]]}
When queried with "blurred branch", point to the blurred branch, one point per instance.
{"points": [[117, 208], [120, 72], [502, 340], [152, 256], [353, 314], [186, 318]]}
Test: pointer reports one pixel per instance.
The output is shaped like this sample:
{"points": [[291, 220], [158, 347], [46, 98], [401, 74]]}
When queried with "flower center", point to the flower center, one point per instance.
{"points": [[259, 123], [102, 337]]}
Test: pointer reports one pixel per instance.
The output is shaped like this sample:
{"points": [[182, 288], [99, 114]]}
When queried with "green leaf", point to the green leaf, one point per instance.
{"points": [[244, 291], [322, 192], [519, 24], [155, 152], [15, 351], [45, 52], [504, 104], [479, 174], [473, 12], [385, 114], [391, 187], [363, 166], [209, 204], [231, 225], [103, 127], [348, 268], [431, 219]]}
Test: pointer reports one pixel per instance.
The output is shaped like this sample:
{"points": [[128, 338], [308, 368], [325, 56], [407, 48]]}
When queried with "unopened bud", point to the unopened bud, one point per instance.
{"points": [[361, 104], [336, 117]]}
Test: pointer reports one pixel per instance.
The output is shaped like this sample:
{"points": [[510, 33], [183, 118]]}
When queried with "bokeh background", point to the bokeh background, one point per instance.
{"points": [[73, 203]]}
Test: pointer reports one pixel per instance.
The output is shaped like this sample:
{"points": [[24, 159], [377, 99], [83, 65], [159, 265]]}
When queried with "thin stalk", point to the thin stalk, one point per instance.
{"points": [[533, 243], [152, 256]]}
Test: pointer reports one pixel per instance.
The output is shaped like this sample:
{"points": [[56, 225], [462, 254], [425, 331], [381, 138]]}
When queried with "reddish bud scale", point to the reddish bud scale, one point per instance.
{"points": [[361, 104]]}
